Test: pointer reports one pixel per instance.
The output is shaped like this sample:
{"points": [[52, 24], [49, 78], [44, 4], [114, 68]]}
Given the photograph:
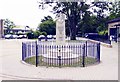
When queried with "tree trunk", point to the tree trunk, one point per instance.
{"points": [[72, 23], [73, 30], [8, 30]]}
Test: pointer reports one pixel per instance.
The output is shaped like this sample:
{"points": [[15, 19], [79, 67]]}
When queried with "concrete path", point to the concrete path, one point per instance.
{"points": [[14, 69]]}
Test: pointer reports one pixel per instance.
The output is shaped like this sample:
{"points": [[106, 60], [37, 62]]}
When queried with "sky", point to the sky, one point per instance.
{"points": [[23, 12]]}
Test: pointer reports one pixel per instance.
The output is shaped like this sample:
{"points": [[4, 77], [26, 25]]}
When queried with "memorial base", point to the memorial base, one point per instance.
{"points": [[61, 56]]}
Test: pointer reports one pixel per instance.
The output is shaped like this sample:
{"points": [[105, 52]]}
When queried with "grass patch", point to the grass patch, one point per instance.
{"points": [[65, 40], [75, 40], [88, 61]]}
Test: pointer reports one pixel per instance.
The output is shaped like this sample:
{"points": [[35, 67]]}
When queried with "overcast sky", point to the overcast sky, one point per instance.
{"points": [[22, 12]]}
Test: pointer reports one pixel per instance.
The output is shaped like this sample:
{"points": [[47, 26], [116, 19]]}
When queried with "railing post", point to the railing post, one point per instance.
{"points": [[59, 58], [83, 57], [98, 52], [36, 54], [86, 48]]}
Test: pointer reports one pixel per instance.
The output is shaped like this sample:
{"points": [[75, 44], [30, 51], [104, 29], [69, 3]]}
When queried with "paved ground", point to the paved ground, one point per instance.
{"points": [[12, 68]]}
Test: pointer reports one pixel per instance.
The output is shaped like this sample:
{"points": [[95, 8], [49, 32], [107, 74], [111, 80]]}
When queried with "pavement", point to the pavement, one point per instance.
{"points": [[12, 68]]}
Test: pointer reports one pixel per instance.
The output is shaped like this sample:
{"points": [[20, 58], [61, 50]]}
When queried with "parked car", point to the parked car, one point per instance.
{"points": [[20, 36], [24, 36], [54, 36], [41, 37], [14, 36], [92, 35], [49, 36], [8, 36]]}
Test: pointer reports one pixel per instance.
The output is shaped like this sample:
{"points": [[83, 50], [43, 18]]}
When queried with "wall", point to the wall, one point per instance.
{"points": [[1, 28]]}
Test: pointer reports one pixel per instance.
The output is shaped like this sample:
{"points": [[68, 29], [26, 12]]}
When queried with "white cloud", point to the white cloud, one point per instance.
{"points": [[22, 12]]}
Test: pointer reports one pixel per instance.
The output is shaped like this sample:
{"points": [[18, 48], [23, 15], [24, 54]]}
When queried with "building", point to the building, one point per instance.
{"points": [[19, 30], [1, 28], [114, 28]]}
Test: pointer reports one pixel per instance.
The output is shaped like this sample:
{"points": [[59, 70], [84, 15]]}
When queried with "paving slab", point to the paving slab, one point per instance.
{"points": [[14, 69]]}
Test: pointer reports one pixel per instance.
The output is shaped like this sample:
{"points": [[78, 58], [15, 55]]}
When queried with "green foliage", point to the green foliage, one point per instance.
{"points": [[47, 26], [104, 32], [44, 33], [88, 24], [115, 10], [36, 34], [85, 18], [74, 13], [30, 35], [81, 19], [8, 24], [88, 61], [46, 18]]}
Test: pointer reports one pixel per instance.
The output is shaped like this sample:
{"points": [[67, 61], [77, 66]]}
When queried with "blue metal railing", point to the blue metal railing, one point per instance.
{"points": [[47, 54]]}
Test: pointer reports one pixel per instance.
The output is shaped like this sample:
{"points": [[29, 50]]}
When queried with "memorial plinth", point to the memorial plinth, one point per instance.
{"points": [[62, 54]]}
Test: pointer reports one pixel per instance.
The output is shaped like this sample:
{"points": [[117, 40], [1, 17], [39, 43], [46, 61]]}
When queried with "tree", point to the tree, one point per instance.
{"points": [[99, 9], [48, 26], [46, 18], [36, 33], [88, 24], [8, 24], [114, 10], [83, 17], [73, 12], [33, 34]]}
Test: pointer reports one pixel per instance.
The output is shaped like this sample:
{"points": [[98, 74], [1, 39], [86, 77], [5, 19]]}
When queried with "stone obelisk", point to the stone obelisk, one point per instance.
{"points": [[60, 29]]}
